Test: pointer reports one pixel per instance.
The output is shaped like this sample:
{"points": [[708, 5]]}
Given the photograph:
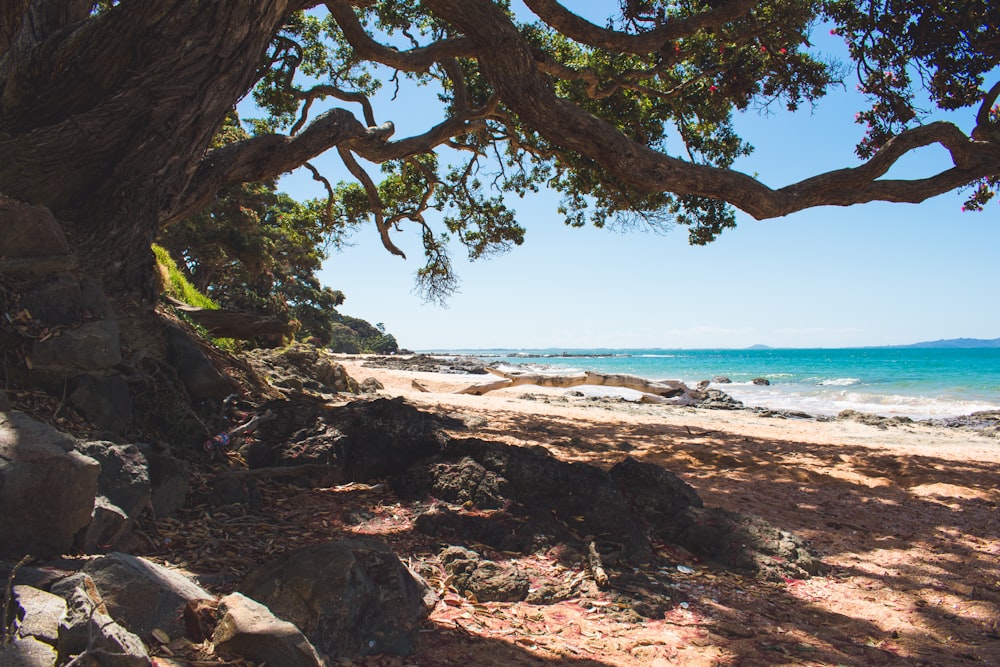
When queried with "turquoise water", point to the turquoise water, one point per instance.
{"points": [[915, 382]]}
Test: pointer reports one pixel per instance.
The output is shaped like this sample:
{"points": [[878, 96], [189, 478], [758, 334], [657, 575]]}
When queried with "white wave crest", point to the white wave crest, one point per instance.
{"points": [[839, 382]]}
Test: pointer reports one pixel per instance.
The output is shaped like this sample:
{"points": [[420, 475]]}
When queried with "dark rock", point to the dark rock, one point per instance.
{"points": [[28, 652], [103, 400], [47, 489], [466, 481], [4, 401], [93, 346], [721, 379], [761, 381], [370, 386], [124, 478], [499, 531], [249, 630], [142, 595], [429, 364], [364, 440], [37, 613], [108, 525], [199, 376], [94, 301], [487, 580], [302, 367], [657, 494], [877, 421], [719, 400], [87, 626], [546, 494], [549, 501], [36, 267], [168, 479], [54, 302], [350, 597], [30, 231]]}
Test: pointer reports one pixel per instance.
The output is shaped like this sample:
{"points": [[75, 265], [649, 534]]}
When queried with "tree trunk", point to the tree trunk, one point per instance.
{"points": [[105, 119]]}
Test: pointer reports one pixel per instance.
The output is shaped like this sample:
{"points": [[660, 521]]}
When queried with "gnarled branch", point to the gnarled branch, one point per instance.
{"points": [[507, 61], [585, 32]]}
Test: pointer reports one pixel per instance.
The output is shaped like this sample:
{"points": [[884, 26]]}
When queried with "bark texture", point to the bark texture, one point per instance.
{"points": [[105, 120]]}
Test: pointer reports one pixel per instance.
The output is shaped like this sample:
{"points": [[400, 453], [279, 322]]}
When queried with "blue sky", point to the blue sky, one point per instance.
{"points": [[876, 274]]}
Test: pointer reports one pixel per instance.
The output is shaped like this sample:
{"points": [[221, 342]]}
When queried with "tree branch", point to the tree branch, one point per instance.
{"points": [[508, 63], [420, 59], [585, 32], [267, 156], [373, 199]]}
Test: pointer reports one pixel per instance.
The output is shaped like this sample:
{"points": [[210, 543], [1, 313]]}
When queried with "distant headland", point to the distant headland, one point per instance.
{"points": [[957, 343]]}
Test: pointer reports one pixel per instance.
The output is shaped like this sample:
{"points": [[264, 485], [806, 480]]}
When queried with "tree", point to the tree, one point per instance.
{"points": [[108, 110], [257, 249]]}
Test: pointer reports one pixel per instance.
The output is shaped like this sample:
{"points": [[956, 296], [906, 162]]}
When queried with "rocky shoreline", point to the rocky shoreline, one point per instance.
{"points": [[987, 422]]}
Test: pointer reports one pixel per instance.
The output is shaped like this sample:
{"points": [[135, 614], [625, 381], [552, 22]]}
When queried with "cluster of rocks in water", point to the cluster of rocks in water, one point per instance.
{"points": [[345, 598]]}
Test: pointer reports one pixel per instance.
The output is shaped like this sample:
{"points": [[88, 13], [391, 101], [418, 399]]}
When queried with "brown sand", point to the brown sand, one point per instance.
{"points": [[906, 517]]}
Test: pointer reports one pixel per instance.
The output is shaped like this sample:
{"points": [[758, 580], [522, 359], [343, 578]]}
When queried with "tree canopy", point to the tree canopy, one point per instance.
{"points": [[110, 112]]}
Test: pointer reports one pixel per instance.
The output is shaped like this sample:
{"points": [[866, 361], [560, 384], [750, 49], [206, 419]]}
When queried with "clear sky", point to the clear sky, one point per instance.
{"points": [[876, 274]]}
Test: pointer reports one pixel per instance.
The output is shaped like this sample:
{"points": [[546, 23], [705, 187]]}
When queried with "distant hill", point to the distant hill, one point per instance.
{"points": [[760, 347], [958, 342]]}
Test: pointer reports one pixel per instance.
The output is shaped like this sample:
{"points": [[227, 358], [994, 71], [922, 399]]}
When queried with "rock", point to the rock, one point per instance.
{"points": [[30, 231], [47, 490], [545, 494], [4, 401], [487, 580], [124, 478], [718, 400], [249, 630], [103, 400], [168, 479], [370, 386], [87, 626], [54, 302], [28, 652], [302, 367], [93, 346], [657, 494], [108, 525], [199, 376], [143, 595], [350, 597], [362, 441], [721, 379], [37, 614], [761, 381]]}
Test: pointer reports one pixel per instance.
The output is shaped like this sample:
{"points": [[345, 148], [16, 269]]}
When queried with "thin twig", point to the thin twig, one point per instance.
{"points": [[8, 630]]}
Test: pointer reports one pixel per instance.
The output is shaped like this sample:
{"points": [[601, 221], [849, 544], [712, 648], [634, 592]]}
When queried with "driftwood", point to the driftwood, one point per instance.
{"points": [[238, 324], [596, 565], [653, 392]]}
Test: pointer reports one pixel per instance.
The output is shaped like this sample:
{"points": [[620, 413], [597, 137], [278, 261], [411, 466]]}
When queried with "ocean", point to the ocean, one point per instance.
{"points": [[920, 383]]}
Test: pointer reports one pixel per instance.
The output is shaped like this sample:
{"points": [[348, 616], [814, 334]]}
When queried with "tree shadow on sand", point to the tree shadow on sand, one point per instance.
{"points": [[913, 539], [860, 510]]}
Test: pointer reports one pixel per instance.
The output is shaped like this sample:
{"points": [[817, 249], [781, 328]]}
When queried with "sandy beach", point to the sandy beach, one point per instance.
{"points": [[905, 516]]}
